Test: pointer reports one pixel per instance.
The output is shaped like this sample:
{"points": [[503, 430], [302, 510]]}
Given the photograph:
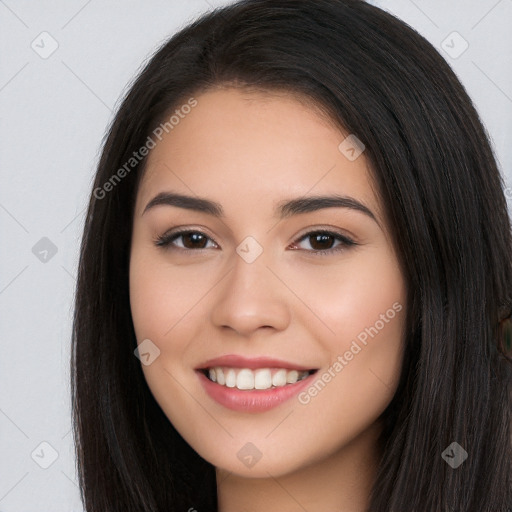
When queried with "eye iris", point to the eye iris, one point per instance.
{"points": [[324, 239], [194, 237]]}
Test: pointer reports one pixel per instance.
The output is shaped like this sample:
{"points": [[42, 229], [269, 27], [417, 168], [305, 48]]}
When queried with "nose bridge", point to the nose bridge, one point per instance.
{"points": [[250, 266], [251, 296]]}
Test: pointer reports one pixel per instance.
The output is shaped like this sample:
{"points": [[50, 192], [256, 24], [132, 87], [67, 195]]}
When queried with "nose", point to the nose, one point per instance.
{"points": [[251, 297]]}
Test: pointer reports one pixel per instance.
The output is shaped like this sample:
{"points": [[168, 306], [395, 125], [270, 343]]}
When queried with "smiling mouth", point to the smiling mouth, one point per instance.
{"points": [[259, 379]]}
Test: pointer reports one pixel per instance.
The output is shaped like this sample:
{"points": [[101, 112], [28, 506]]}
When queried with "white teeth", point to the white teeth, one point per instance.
{"points": [[219, 374], [230, 378], [262, 378], [279, 378], [292, 377], [245, 379]]}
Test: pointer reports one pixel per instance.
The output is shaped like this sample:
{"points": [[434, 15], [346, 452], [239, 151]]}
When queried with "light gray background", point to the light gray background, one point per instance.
{"points": [[54, 113]]}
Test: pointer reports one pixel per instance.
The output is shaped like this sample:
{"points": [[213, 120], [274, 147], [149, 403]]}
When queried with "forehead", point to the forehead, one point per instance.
{"points": [[253, 149]]}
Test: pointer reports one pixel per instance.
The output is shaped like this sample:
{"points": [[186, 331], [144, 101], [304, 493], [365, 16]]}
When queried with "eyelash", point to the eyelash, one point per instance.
{"points": [[166, 240]]}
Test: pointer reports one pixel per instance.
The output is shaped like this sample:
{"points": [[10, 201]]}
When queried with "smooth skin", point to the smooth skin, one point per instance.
{"points": [[196, 298]]}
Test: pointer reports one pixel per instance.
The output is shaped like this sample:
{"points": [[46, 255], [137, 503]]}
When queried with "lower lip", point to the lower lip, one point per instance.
{"points": [[254, 400]]}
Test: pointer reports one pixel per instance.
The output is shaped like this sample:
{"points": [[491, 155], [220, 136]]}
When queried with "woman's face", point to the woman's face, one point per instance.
{"points": [[247, 282]]}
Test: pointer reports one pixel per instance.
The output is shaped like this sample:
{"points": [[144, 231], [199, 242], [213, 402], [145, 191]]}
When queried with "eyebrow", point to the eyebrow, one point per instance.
{"points": [[283, 210]]}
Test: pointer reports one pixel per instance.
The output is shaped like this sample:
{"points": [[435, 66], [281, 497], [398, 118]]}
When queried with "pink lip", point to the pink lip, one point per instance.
{"points": [[254, 400], [236, 361]]}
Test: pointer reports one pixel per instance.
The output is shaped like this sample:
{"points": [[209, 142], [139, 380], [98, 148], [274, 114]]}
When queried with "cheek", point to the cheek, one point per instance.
{"points": [[360, 380], [159, 308], [145, 291], [160, 296], [344, 301], [361, 317]]}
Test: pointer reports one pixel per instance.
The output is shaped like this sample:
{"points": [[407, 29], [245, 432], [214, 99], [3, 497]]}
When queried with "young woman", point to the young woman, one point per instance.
{"points": [[295, 277]]}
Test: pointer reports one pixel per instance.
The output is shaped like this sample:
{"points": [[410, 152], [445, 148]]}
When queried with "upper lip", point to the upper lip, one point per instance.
{"points": [[252, 363]]}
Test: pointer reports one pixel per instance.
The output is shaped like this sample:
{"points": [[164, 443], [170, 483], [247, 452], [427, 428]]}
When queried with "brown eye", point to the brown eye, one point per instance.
{"points": [[190, 240], [322, 242], [194, 240]]}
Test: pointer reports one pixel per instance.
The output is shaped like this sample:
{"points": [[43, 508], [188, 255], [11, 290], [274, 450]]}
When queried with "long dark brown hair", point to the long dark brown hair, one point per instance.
{"points": [[438, 179]]}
